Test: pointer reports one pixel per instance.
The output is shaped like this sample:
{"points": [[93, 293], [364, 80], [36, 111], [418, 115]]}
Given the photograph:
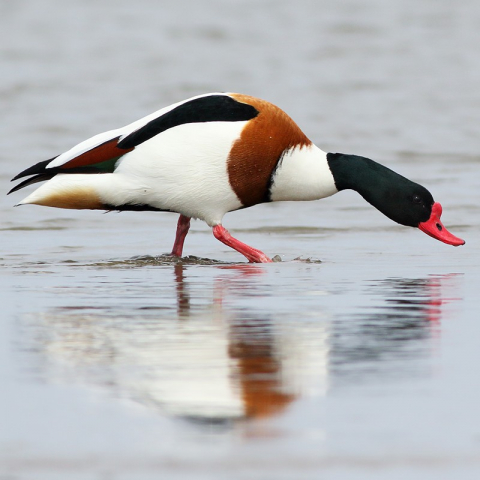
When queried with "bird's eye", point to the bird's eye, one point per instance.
{"points": [[417, 199]]}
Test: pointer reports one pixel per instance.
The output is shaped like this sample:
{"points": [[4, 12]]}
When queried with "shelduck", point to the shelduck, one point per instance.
{"points": [[216, 153]]}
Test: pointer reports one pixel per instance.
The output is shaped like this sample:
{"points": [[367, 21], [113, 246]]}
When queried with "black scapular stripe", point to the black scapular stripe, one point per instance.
{"points": [[214, 108]]}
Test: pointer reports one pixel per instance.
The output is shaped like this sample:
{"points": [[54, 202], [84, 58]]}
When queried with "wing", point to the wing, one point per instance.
{"points": [[101, 153], [100, 158], [206, 108]]}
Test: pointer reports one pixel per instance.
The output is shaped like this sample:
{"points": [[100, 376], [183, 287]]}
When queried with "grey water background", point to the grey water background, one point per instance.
{"points": [[357, 356]]}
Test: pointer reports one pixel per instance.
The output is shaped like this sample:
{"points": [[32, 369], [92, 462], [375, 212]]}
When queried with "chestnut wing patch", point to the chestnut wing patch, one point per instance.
{"points": [[100, 159], [212, 108]]}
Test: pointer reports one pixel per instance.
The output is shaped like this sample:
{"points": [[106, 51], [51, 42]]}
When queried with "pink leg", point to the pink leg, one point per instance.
{"points": [[253, 255], [183, 226]]}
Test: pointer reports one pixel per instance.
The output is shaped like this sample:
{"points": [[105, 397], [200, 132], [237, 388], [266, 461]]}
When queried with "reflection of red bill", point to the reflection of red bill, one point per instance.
{"points": [[434, 227]]}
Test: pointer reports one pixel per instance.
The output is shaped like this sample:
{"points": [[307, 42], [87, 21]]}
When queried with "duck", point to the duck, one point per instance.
{"points": [[216, 153]]}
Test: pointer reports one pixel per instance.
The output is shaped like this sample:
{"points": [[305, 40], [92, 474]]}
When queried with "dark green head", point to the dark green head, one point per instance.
{"points": [[400, 199]]}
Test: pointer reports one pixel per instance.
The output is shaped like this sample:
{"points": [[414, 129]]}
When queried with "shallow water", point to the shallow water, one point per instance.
{"points": [[353, 356]]}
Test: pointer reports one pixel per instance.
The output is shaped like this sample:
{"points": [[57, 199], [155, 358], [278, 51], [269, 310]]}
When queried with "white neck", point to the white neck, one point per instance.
{"points": [[303, 174]]}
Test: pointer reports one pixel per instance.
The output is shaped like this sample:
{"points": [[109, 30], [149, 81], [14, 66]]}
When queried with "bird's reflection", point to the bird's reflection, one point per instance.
{"points": [[183, 299], [404, 318], [212, 361], [259, 368]]}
